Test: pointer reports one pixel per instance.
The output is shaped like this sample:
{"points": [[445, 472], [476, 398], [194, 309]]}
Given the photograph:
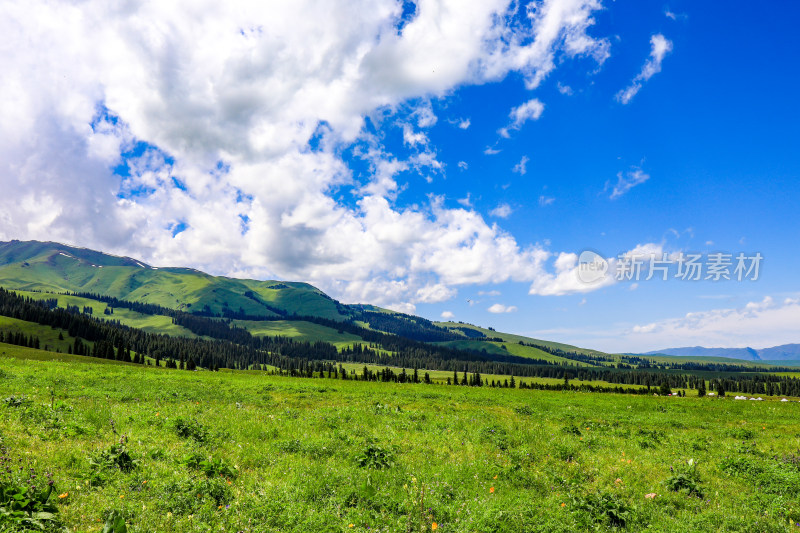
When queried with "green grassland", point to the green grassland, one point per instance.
{"points": [[20, 352], [47, 336], [514, 348], [296, 298], [511, 348], [299, 330], [243, 451], [159, 324]]}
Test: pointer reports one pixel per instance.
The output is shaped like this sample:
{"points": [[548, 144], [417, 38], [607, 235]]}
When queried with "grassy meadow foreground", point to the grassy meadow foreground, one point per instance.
{"points": [[244, 451]]}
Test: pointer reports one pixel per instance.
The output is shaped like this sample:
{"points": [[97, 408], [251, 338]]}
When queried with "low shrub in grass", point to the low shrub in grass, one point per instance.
{"points": [[648, 438], [16, 401], [496, 435], [604, 508], [687, 480], [210, 466], [192, 429], [565, 452], [27, 500], [115, 523], [524, 410], [741, 434], [376, 457], [187, 496], [114, 458]]}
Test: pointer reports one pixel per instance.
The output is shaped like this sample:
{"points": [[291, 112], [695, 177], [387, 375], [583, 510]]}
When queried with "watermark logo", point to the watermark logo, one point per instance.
{"points": [[592, 267]]}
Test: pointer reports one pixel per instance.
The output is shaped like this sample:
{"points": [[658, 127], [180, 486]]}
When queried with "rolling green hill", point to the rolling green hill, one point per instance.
{"points": [[53, 267], [20, 352], [509, 348], [511, 338], [300, 330], [43, 270], [48, 337], [47, 270], [126, 317]]}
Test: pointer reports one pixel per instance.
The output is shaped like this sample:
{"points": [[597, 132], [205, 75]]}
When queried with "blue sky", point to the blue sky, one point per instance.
{"points": [[715, 131], [425, 157]]}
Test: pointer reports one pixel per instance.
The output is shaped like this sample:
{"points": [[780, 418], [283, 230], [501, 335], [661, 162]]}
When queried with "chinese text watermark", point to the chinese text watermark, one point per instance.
{"points": [[720, 266]]}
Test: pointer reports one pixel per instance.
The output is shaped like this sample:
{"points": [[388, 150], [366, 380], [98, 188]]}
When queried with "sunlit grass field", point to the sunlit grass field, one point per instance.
{"points": [[300, 331], [244, 451]]}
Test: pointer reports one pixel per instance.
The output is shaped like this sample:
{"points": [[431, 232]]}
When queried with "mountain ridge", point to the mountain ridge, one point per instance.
{"points": [[50, 267], [783, 352]]}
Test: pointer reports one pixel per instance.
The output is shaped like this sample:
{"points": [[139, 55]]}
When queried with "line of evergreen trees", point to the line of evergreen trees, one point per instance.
{"points": [[655, 383], [407, 351], [20, 339], [277, 351], [407, 347], [238, 349]]}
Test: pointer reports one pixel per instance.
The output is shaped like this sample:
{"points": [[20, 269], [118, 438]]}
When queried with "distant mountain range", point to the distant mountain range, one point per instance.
{"points": [[785, 352]]}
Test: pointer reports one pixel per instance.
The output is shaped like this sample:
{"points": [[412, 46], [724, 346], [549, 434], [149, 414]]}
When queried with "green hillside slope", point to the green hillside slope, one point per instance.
{"points": [[42, 270], [48, 337], [511, 338], [53, 267]]}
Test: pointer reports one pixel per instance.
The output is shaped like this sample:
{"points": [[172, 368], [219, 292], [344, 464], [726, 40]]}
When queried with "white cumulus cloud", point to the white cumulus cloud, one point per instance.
{"points": [[758, 324], [627, 181], [501, 211], [660, 46], [231, 118], [530, 110], [500, 308], [520, 168], [566, 278], [546, 200]]}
